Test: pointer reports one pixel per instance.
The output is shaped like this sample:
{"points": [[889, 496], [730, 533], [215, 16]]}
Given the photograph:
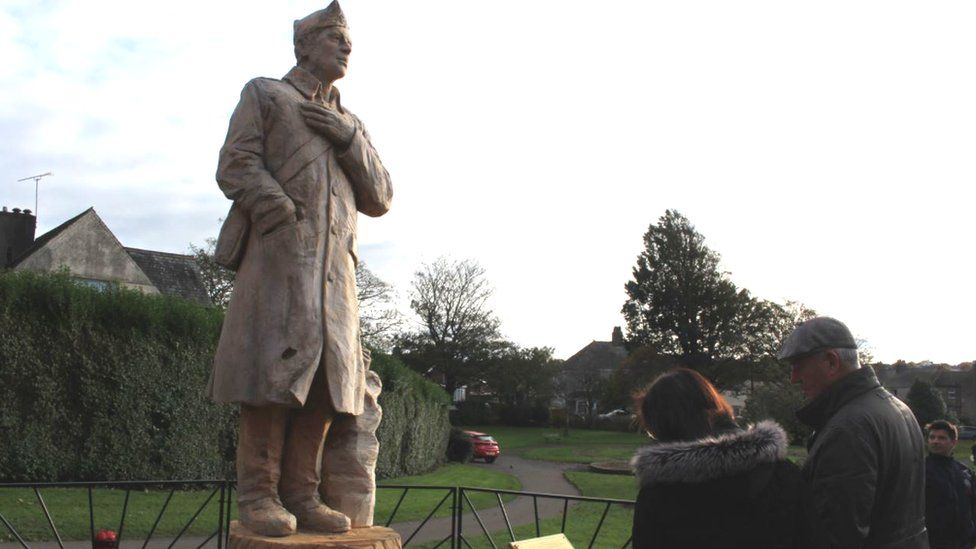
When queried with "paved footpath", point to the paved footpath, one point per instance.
{"points": [[535, 476]]}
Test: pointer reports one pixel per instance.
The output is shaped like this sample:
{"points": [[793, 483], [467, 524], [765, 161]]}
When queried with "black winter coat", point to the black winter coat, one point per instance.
{"points": [[732, 490], [949, 503], [864, 476]]}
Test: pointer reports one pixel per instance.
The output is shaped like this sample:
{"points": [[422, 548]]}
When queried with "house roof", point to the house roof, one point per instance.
{"points": [[172, 274], [46, 237], [892, 377], [600, 355]]}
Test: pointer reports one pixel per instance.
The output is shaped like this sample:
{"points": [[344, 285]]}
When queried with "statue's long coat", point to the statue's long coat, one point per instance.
{"points": [[294, 303]]}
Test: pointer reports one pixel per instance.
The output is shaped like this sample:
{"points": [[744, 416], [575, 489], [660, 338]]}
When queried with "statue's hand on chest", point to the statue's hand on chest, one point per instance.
{"points": [[339, 128]]}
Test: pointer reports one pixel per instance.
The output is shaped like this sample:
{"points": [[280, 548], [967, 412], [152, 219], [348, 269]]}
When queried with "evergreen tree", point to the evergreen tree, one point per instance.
{"points": [[681, 303], [926, 404]]}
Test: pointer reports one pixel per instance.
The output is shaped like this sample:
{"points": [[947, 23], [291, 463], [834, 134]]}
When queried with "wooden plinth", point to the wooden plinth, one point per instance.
{"points": [[376, 536]]}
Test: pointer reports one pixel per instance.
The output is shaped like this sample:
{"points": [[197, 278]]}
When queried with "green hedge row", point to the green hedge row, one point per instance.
{"points": [[109, 385], [106, 385], [415, 428]]}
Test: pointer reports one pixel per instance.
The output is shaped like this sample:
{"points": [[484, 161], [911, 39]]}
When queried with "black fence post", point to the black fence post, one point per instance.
{"points": [[460, 516], [454, 517], [220, 516]]}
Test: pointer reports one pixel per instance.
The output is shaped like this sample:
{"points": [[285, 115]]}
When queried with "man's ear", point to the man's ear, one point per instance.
{"points": [[833, 361]]}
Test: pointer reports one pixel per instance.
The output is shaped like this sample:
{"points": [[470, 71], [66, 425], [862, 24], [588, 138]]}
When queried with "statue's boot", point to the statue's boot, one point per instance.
{"points": [[316, 516], [301, 464], [267, 517], [259, 450]]}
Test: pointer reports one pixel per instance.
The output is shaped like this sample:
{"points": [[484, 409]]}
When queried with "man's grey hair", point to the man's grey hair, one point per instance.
{"points": [[848, 358]]}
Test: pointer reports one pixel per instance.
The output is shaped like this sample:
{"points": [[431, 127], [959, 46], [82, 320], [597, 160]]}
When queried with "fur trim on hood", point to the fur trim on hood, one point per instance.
{"points": [[711, 457]]}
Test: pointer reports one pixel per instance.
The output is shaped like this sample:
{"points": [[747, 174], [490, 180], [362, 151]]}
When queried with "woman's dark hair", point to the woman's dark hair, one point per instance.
{"points": [[682, 405]]}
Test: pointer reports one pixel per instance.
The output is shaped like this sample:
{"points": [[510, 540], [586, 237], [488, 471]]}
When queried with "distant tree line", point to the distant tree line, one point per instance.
{"points": [[452, 338], [682, 309]]}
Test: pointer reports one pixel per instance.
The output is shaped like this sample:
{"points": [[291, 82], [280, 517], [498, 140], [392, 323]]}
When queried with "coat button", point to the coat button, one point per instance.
{"points": [[331, 277], [335, 230], [335, 191]]}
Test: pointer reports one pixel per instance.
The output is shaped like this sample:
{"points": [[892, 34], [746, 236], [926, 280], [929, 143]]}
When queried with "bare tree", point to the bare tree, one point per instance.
{"points": [[379, 319], [458, 332], [218, 280]]}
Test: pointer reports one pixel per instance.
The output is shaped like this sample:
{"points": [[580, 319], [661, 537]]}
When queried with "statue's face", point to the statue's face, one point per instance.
{"points": [[327, 52]]}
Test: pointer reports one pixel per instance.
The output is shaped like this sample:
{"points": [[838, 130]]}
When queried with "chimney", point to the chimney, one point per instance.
{"points": [[618, 337], [16, 234]]}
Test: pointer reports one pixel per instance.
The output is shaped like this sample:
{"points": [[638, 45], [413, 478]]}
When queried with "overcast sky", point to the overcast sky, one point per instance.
{"points": [[825, 149]]}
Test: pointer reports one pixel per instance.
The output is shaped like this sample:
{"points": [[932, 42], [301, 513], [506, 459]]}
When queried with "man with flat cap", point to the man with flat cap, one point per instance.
{"points": [[298, 166], [865, 471]]}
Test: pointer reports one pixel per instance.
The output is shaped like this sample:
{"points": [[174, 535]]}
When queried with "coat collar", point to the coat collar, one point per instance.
{"points": [[942, 460], [819, 410], [311, 87], [710, 457]]}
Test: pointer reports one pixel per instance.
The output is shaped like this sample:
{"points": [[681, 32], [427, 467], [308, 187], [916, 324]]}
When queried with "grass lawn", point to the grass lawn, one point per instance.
{"points": [[579, 446], [964, 453], [582, 519], [419, 503], [69, 506], [69, 509], [797, 454]]}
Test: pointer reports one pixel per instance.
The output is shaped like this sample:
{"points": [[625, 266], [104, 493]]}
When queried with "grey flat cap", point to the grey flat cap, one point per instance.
{"points": [[817, 334]]}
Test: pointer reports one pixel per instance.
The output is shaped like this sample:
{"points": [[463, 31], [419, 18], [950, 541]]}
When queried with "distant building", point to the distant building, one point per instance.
{"points": [[16, 234], [738, 398], [87, 249], [597, 361], [957, 387]]}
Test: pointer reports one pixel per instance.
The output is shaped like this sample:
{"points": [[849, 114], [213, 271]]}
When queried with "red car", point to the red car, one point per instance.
{"points": [[485, 447]]}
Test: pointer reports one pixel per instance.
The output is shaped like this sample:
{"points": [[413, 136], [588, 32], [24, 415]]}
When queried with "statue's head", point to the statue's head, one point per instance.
{"points": [[322, 44]]}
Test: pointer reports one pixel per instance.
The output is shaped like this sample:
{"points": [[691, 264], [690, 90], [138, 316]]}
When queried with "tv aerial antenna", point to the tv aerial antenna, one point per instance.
{"points": [[37, 179]]}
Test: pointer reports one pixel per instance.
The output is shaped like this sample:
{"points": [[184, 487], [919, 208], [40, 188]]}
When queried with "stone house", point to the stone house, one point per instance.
{"points": [[957, 386], [90, 252], [595, 362]]}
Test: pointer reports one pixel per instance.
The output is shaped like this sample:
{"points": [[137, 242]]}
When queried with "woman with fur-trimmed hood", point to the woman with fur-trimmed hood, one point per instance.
{"points": [[706, 482]]}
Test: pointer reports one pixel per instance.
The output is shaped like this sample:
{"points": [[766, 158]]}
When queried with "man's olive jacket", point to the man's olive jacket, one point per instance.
{"points": [[865, 472], [294, 304]]}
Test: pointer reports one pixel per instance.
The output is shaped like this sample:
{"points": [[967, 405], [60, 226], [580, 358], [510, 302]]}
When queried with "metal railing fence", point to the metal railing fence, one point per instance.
{"points": [[457, 501], [536, 496], [210, 489]]}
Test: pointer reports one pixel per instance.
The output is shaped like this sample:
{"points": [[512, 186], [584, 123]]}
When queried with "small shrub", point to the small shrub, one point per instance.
{"points": [[474, 411], [524, 416], [459, 447], [779, 402], [624, 424], [557, 417]]}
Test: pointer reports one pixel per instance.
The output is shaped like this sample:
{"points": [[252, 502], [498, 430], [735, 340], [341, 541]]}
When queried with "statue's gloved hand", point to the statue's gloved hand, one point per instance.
{"points": [[269, 214], [337, 127]]}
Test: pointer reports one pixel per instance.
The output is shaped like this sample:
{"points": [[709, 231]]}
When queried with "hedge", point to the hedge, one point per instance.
{"points": [[109, 385], [415, 428]]}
